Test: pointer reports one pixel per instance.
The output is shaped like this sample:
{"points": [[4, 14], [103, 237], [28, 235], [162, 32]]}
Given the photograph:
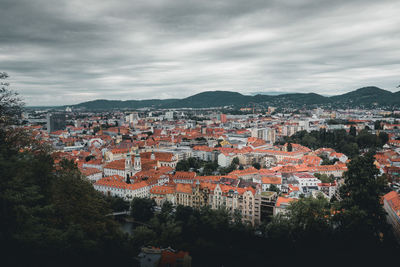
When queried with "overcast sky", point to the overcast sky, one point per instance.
{"points": [[70, 51]]}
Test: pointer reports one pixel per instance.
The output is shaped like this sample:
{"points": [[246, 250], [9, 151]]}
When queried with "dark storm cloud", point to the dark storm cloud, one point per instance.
{"points": [[61, 52]]}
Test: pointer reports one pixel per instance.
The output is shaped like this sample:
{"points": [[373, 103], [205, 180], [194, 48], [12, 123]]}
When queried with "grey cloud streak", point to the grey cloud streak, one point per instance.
{"points": [[65, 52]]}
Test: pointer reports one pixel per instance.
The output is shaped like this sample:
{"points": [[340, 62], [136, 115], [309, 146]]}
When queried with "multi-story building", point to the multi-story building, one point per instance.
{"points": [[225, 159], [267, 203], [181, 177], [236, 198], [329, 189], [115, 185], [55, 122], [163, 193], [92, 174], [183, 194], [267, 134], [307, 181]]}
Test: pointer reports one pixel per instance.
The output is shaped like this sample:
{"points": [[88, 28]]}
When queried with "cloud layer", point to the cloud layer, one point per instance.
{"points": [[70, 51]]}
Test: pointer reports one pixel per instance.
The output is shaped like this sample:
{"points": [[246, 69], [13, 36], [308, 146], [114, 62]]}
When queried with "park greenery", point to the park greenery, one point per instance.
{"points": [[202, 167], [197, 165], [349, 143], [327, 161], [325, 178]]}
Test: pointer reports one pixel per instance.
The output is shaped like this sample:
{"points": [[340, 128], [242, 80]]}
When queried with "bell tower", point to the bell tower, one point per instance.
{"points": [[128, 164], [137, 166]]}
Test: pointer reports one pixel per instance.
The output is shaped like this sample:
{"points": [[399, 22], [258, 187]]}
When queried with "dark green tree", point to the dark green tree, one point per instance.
{"points": [[10, 104], [142, 209], [360, 213], [353, 131], [235, 161], [257, 165], [171, 234], [289, 147], [325, 178], [182, 165], [144, 236], [166, 212], [383, 137], [210, 167], [310, 217], [88, 158], [378, 125], [237, 217], [117, 203], [274, 188]]}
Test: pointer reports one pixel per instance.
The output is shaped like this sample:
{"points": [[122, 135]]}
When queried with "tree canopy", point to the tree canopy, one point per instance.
{"points": [[340, 140]]}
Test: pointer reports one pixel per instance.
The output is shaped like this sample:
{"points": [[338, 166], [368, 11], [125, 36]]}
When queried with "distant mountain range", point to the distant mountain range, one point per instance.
{"points": [[365, 97], [270, 93]]}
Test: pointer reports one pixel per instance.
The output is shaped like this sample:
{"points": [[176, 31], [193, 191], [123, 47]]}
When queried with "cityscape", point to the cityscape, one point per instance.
{"points": [[251, 162], [209, 145]]}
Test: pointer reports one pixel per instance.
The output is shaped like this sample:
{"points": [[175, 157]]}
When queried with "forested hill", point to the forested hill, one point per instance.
{"points": [[365, 97]]}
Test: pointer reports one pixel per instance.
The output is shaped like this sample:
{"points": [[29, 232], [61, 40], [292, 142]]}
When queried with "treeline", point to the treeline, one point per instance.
{"points": [[349, 143], [353, 230]]}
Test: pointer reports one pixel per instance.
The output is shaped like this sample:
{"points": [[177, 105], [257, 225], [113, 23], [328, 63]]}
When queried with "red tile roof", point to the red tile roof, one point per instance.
{"points": [[184, 175], [393, 199], [271, 180], [116, 165], [162, 190], [283, 200], [184, 188]]}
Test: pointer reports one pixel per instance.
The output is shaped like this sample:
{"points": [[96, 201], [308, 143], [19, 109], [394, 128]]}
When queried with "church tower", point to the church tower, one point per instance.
{"points": [[128, 164], [137, 166]]}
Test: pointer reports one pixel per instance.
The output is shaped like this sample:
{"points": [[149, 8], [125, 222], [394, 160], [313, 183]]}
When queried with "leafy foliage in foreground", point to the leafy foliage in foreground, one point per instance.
{"points": [[50, 216], [53, 216]]}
